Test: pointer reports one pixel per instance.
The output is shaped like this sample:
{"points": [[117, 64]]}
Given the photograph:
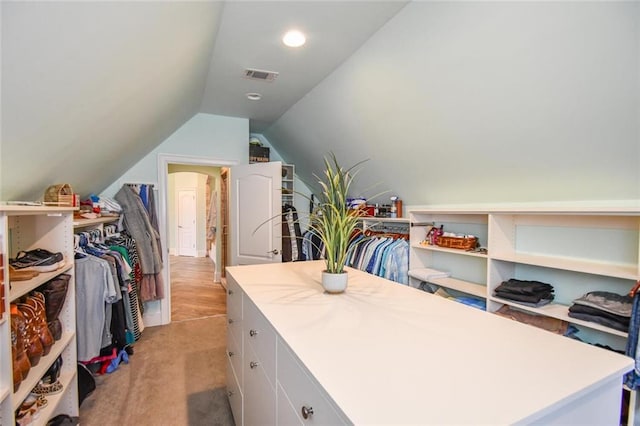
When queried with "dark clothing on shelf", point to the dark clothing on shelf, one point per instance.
{"points": [[607, 301], [533, 293], [529, 298], [584, 309], [524, 287], [600, 320]]}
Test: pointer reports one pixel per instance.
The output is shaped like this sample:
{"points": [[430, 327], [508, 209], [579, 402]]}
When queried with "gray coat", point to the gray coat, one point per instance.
{"points": [[138, 224]]}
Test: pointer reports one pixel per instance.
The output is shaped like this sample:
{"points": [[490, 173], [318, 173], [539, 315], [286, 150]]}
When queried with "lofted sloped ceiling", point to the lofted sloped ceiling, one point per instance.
{"points": [[89, 88]]}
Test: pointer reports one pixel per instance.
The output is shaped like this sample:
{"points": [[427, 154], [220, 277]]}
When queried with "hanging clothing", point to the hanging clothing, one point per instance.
{"points": [[139, 225], [126, 245], [312, 246], [212, 216], [386, 257], [95, 292], [291, 235], [632, 378]]}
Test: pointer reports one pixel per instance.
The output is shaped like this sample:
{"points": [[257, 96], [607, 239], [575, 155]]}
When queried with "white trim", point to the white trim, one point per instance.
{"points": [[163, 171]]}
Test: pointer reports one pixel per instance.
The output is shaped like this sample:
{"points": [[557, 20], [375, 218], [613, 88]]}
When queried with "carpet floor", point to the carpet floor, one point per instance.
{"points": [[175, 377]]}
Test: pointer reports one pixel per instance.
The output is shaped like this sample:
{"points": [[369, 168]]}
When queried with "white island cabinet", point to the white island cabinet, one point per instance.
{"points": [[384, 353]]}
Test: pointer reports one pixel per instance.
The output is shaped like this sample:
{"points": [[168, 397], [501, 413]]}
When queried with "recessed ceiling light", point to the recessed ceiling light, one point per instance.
{"points": [[294, 38], [254, 96]]}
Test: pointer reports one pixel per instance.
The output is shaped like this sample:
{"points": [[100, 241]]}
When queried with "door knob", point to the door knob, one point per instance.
{"points": [[274, 252], [253, 333], [307, 412], [253, 364]]}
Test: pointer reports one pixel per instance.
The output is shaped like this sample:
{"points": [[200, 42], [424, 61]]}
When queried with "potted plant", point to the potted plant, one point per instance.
{"points": [[334, 222]]}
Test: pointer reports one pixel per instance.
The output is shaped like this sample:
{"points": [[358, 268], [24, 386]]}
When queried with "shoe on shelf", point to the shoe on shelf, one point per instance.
{"points": [[39, 260], [47, 389]]}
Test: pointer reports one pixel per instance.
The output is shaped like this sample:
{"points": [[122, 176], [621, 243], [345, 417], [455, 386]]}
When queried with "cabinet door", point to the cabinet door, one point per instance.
{"points": [[234, 310], [287, 413], [235, 394], [259, 396], [234, 353], [259, 334], [305, 396]]}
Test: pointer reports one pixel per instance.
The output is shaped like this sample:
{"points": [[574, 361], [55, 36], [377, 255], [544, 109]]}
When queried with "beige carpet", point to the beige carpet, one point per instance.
{"points": [[175, 377]]}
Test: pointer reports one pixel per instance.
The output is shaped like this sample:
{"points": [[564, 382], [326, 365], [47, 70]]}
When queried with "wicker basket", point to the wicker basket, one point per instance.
{"points": [[60, 194], [462, 243]]}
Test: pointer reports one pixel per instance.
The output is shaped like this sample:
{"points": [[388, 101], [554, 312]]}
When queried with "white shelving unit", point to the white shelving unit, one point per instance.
{"points": [[468, 270], [288, 189], [372, 222], [27, 228], [98, 222], [577, 249]]}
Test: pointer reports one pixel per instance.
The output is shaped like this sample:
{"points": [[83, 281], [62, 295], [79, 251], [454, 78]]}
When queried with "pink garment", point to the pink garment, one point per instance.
{"points": [[151, 287]]}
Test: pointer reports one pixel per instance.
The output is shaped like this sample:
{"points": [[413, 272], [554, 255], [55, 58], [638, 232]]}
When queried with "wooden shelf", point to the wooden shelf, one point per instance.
{"points": [[467, 287], [558, 311], [36, 373], [448, 250], [33, 210], [66, 378], [629, 272], [4, 393], [82, 223], [20, 288]]}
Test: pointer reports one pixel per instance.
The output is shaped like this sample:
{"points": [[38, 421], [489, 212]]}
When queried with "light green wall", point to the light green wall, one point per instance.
{"points": [[205, 135]]}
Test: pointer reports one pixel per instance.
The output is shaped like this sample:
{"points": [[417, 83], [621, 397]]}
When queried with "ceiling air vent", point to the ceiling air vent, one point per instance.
{"points": [[263, 75]]}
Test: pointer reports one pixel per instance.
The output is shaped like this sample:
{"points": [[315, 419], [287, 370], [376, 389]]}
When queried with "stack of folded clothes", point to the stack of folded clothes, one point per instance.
{"points": [[605, 308], [529, 293]]}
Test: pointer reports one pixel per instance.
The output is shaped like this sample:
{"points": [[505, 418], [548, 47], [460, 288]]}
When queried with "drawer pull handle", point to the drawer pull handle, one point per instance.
{"points": [[231, 354], [230, 321], [253, 364], [230, 393], [307, 412], [230, 292], [253, 333]]}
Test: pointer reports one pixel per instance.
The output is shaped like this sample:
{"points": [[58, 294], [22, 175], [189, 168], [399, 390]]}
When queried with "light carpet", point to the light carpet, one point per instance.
{"points": [[175, 377]]}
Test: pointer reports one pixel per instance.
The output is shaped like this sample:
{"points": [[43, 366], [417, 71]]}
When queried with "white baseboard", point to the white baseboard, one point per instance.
{"points": [[217, 277]]}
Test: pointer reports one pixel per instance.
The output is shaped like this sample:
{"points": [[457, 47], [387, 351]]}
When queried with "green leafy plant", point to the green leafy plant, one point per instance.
{"points": [[332, 220]]}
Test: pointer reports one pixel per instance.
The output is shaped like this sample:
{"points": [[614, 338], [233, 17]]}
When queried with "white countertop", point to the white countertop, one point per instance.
{"points": [[390, 354]]}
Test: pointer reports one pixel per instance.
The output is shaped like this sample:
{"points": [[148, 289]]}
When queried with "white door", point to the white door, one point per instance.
{"points": [[255, 210], [187, 222]]}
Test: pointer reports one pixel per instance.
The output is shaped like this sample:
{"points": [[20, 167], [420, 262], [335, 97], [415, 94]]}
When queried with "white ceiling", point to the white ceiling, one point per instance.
{"points": [[250, 36]]}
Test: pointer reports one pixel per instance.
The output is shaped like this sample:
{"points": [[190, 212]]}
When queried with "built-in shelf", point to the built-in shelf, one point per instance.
{"points": [[559, 311], [467, 287], [81, 223], [36, 373], [20, 288], [25, 228], [448, 250]]}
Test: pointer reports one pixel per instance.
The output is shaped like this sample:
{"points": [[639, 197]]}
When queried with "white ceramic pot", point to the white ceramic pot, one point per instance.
{"points": [[334, 283]]}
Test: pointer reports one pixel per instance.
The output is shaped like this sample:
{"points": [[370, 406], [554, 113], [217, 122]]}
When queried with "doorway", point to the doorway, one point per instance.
{"points": [[167, 165]]}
